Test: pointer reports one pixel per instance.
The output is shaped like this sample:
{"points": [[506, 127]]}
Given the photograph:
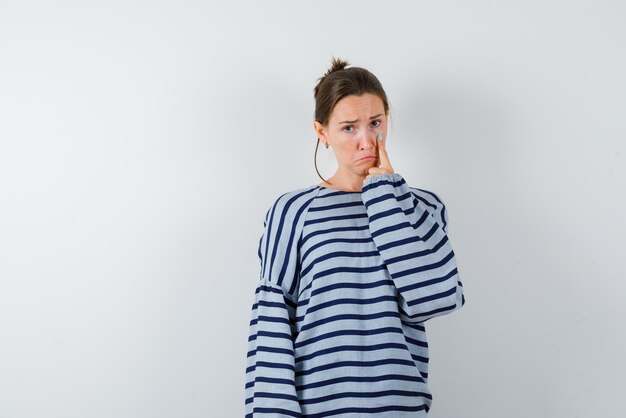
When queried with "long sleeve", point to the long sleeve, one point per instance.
{"points": [[411, 237], [270, 373]]}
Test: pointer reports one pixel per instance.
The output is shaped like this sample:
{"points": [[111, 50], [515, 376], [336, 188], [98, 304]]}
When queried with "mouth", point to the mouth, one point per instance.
{"points": [[367, 158]]}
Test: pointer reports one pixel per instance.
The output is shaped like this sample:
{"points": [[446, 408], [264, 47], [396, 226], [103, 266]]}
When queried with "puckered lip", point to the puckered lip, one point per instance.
{"points": [[367, 156]]}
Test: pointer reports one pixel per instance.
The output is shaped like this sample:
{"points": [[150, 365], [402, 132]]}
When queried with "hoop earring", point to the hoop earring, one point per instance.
{"points": [[325, 143]]}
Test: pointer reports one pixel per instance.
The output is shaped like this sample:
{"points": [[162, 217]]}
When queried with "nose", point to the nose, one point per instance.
{"points": [[366, 140]]}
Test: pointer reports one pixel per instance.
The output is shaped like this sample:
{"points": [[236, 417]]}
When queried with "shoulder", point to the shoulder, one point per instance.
{"points": [[291, 204]]}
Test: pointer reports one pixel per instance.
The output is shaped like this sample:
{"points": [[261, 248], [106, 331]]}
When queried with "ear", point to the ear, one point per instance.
{"points": [[319, 131]]}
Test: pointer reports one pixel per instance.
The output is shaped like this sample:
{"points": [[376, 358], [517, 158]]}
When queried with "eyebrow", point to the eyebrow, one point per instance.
{"points": [[356, 120]]}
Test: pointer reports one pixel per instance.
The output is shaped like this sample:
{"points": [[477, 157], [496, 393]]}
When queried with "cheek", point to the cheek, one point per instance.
{"points": [[346, 151]]}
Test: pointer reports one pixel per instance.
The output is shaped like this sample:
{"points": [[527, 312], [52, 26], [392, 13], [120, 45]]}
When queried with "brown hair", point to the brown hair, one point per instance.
{"points": [[337, 83]]}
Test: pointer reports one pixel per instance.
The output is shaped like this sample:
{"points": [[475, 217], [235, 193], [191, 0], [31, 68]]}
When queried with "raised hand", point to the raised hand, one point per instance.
{"points": [[384, 166]]}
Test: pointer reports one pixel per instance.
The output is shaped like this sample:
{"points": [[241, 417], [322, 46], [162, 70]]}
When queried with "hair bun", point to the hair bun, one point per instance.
{"points": [[336, 65]]}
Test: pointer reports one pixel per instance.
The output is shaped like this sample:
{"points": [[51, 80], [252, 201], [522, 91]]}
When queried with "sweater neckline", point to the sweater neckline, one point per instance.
{"points": [[337, 190]]}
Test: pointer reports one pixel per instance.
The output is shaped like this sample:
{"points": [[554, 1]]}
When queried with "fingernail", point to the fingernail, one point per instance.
{"points": [[380, 136]]}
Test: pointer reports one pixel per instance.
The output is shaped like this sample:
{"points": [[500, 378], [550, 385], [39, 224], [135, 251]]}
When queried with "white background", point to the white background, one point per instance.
{"points": [[143, 142]]}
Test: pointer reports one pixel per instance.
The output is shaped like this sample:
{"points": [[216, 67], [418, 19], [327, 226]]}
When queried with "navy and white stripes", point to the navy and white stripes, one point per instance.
{"points": [[347, 280], [415, 248]]}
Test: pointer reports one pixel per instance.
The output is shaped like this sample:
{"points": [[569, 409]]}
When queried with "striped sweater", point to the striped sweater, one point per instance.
{"points": [[347, 281]]}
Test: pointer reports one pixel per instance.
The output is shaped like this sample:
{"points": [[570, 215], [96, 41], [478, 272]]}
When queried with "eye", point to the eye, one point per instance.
{"points": [[347, 126], [377, 122]]}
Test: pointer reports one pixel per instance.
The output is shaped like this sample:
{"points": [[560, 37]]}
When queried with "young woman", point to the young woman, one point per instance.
{"points": [[350, 271]]}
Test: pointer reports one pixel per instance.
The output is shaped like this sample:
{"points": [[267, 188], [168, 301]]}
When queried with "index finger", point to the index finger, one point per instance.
{"points": [[382, 153]]}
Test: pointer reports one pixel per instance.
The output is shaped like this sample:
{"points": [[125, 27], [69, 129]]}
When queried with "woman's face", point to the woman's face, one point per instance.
{"points": [[352, 129]]}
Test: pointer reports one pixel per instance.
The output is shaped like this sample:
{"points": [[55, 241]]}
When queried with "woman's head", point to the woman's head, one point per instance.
{"points": [[351, 107]]}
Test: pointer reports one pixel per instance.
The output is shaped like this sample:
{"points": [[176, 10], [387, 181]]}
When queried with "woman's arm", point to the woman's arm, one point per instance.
{"points": [[415, 247], [270, 385], [270, 373]]}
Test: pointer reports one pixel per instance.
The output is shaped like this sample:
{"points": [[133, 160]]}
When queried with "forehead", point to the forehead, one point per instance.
{"points": [[357, 107]]}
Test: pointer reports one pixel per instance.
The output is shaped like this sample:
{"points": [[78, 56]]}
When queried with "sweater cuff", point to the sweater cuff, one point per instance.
{"points": [[388, 177]]}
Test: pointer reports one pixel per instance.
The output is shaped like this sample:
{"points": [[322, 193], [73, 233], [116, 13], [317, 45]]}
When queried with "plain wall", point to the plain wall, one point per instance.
{"points": [[143, 142]]}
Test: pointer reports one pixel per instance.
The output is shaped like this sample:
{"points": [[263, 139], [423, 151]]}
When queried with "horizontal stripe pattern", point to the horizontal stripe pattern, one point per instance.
{"points": [[347, 280], [414, 246]]}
